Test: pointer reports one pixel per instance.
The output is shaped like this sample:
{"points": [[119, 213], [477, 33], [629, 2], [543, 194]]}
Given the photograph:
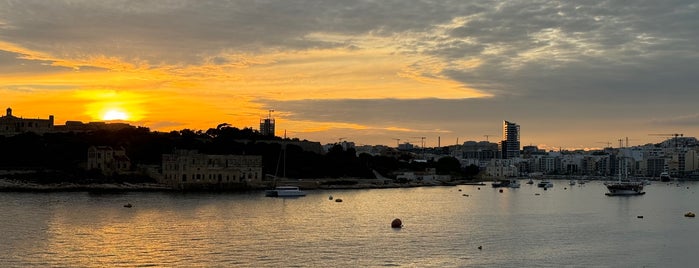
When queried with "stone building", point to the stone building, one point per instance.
{"points": [[11, 125], [191, 170], [107, 159]]}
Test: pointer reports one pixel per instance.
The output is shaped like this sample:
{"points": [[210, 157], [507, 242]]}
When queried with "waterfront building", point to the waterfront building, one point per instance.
{"points": [[509, 146], [108, 160], [11, 125], [187, 169]]}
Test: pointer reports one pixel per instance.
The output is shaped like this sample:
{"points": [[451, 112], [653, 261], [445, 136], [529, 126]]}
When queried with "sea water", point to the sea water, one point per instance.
{"points": [[455, 226]]}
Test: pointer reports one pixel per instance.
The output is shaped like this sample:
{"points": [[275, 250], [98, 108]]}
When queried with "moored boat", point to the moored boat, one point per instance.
{"points": [[545, 184], [285, 191], [624, 188]]}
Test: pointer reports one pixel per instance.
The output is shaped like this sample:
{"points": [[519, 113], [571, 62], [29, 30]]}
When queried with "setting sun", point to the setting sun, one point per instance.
{"points": [[115, 115]]}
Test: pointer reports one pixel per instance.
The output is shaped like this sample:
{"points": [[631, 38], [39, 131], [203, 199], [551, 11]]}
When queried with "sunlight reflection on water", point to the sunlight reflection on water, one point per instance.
{"points": [[578, 226]]}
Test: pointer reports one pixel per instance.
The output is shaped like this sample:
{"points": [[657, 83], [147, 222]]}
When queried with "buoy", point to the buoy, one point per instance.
{"points": [[396, 223], [537, 194], [501, 190], [459, 190], [465, 195], [545, 188], [565, 188], [640, 217], [689, 214], [128, 205], [479, 188], [338, 200], [480, 247], [330, 197]]}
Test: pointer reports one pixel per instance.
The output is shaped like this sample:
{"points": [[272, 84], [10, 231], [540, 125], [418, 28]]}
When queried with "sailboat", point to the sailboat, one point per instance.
{"points": [[285, 190], [624, 187]]}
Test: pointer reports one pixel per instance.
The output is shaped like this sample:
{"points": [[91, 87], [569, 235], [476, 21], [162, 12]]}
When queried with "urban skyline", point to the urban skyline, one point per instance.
{"points": [[576, 75]]}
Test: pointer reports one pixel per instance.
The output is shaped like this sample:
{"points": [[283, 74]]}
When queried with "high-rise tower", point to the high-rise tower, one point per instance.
{"points": [[509, 146], [267, 125]]}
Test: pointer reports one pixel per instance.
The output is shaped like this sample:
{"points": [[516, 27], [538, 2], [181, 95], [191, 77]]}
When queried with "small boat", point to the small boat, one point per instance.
{"points": [[128, 205], [530, 181], [544, 184], [514, 184], [665, 177], [504, 183], [572, 182], [285, 191]]}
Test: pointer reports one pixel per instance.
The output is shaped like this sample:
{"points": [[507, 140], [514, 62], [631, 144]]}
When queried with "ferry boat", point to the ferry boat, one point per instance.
{"points": [[285, 191]]}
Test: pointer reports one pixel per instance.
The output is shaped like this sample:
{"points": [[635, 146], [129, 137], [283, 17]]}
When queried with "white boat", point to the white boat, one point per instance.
{"points": [[285, 191], [572, 182], [514, 184], [530, 181], [545, 184]]}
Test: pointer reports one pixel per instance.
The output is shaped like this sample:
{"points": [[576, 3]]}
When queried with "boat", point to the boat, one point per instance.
{"points": [[503, 183], [572, 182], [545, 184], [530, 181], [514, 184], [625, 186], [285, 191], [665, 176]]}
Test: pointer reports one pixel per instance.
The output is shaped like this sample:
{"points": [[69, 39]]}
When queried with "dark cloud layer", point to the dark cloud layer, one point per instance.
{"points": [[542, 58]]}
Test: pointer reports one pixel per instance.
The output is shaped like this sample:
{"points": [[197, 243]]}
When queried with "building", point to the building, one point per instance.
{"points": [[509, 146], [108, 160], [186, 169], [267, 125], [11, 125]]}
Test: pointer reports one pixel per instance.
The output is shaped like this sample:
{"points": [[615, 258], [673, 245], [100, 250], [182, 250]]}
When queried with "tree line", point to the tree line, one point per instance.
{"points": [[64, 154]]}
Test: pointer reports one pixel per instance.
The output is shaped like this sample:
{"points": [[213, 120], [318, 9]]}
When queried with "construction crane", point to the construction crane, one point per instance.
{"points": [[674, 135], [488, 135], [422, 141]]}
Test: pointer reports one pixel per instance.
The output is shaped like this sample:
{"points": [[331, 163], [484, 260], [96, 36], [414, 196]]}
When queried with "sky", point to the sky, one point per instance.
{"points": [[572, 74]]}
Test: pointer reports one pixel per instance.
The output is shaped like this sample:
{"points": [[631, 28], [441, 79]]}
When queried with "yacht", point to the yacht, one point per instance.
{"points": [[285, 191], [545, 184]]}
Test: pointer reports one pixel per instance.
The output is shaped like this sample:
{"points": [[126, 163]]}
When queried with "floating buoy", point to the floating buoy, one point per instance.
{"points": [[501, 190], [465, 195], [128, 205], [640, 217], [565, 188], [545, 188], [338, 200], [480, 247], [330, 197], [396, 223], [479, 188], [537, 194], [459, 190], [689, 214]]}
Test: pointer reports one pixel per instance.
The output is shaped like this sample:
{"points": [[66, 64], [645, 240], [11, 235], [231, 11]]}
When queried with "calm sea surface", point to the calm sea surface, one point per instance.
{"points": [[443, 227]]}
